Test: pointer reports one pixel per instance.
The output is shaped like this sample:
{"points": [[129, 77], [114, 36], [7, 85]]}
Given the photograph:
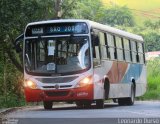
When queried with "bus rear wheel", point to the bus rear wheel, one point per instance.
{"points": [[129, 100], [47, 105]]}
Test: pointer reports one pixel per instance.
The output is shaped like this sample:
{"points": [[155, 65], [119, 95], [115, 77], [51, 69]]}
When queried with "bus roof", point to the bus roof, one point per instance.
{"points": [[94, 25]]}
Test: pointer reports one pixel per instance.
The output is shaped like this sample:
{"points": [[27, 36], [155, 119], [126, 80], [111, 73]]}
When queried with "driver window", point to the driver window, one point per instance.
{"points": [[96, 48]]}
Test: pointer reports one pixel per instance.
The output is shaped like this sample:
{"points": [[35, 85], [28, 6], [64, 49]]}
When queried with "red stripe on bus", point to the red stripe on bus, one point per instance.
{"points": [[117, 71]]}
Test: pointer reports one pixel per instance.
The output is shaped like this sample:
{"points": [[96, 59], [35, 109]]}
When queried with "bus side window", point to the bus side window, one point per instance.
{"points": [[140, 53], [127, 50], [119, 48], [96, 49], [103, 46], [134, 51], [111, 46]]}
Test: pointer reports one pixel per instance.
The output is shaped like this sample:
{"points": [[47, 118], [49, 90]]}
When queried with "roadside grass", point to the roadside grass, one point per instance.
{"points": [[11, 101], [153, 89], [153, 81]]}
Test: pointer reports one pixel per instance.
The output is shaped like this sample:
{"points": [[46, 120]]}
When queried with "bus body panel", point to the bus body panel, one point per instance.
{"points": [[74, 94], [120, 75], [100, 73], [48, 92]]}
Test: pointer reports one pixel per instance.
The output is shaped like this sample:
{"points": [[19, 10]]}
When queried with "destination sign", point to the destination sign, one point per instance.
{"points": [[57, 29], [37, 30], [64, 29]]}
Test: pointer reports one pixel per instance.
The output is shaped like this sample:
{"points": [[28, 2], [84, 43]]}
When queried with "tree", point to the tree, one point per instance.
{"points": [[150, 31], [13, 20], [89, 9], [152, 40], [118, 16], [14, 15], [152, 25]]}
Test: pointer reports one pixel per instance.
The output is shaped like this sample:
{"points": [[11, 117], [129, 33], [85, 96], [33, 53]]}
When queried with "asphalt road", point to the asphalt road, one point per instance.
{"points": [[68, 114]]}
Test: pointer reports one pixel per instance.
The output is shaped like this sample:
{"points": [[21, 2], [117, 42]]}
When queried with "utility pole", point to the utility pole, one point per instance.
{"points": [[58, 8]]}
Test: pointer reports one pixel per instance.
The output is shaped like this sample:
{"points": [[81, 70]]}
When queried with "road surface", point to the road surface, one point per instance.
{"points": [[68, 113]]}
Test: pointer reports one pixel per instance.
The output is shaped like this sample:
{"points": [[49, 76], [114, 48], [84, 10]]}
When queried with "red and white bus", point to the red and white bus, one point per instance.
{"points": [[82, 61]]}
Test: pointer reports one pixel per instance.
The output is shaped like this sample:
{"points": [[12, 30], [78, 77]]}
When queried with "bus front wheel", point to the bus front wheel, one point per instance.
{"points": [[47, 104], [83, 104], [100, 104]]}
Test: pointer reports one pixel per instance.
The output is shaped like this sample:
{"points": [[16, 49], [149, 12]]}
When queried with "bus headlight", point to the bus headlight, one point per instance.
{"points": [[86, 81], [30, 84]]}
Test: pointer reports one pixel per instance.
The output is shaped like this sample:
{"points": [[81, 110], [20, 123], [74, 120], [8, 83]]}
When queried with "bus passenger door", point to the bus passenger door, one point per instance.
{"points": [[97, 67]]}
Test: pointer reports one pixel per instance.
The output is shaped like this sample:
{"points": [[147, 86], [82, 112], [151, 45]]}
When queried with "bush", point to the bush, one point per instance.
{"points": [[11, 100], [153, 79]]}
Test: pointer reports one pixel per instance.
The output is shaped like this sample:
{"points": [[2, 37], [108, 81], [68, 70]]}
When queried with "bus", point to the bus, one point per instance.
{"points": [[81, 61]]}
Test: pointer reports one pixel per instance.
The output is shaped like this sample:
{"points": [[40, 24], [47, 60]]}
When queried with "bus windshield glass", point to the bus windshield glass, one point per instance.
{"points": [[57, 55]]}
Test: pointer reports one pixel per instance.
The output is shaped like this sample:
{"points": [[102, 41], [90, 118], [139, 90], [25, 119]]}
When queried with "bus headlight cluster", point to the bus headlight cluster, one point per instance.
{"points": [[30, 84], [85, 81]]}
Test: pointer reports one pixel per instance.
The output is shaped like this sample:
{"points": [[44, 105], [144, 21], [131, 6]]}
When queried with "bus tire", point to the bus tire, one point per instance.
{"points": [[121, 101], [83, 104], [100, 104], [129, 100], [79, 104], [87, 104], [47, 104]]}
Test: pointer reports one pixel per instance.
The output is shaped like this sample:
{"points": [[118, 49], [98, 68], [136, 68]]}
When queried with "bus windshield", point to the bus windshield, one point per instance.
{"points": [[60, 55]]}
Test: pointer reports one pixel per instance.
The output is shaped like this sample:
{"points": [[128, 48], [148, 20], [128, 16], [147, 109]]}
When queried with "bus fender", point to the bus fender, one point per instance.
{"points": [[132, 79]]}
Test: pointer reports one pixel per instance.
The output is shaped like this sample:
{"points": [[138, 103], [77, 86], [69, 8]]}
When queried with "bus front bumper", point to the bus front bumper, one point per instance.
{"points": [[75, 94]]}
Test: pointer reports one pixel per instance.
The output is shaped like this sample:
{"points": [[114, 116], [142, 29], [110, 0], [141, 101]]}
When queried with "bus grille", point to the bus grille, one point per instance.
{"points": [[57, 80], [63, 86], [56, 94]]}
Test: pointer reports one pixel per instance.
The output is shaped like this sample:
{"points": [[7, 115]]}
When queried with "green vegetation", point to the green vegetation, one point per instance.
{"points": [[142, 10], [15, 14], [153, 78], [119, 16]]}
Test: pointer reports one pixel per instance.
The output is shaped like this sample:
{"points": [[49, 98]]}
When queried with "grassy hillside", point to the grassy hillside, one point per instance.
{"points": [[142, 9]]}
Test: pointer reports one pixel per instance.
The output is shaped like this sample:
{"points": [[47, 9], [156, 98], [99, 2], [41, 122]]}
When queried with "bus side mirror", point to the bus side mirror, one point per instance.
{"points": [[17, 43]]}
